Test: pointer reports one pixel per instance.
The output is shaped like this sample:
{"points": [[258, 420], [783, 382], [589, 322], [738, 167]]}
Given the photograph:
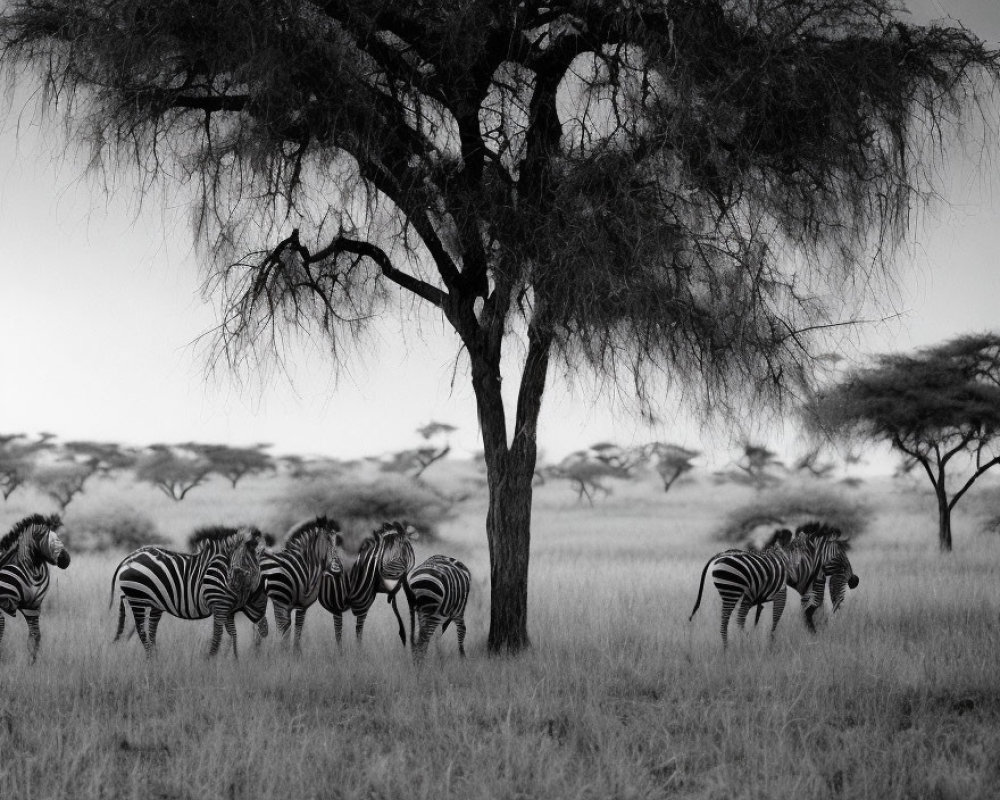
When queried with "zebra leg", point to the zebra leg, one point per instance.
{"points": [[142, 627], [218, 623], [427, 628], [282, 619], [34, 633], [121, 618], [460, 631], [259, 632], [812, 600], [2, 623], [777, 609], [728, 604], [231, 630], [300, 620], [338, 627], [152, 623], [359, 625], [741, 613]]}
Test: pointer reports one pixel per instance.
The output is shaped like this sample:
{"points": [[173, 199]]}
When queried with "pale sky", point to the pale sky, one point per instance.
{"points": [[100, 310]]}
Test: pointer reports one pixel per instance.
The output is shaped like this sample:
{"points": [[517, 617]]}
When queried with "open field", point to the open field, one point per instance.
{"points": [[620, 697]]}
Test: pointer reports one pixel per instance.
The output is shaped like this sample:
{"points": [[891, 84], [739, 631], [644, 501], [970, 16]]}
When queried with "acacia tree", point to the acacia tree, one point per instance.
{"points": [[613, 185], [939, 407]]}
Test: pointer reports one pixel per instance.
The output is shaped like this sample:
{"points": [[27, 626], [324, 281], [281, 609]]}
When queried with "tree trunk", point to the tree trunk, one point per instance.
{"points": [[510, 471], [944, 521]]}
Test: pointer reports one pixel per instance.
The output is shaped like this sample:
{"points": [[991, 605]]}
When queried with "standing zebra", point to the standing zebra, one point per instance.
{"points": [[25, 554], [292, 577], [384, 559], [215, 582], [437, 590], [804, 562], [209, 538]]}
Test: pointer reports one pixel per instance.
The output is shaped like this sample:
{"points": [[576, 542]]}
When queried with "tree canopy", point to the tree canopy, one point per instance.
{"points": [[654, 191], [937, 405]]}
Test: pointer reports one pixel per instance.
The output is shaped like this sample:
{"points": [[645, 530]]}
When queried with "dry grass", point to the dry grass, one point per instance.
{"points": [[619, 698]]}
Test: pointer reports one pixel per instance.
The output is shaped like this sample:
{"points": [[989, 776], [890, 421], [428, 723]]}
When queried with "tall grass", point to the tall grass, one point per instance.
{"points": [[620, 697]]}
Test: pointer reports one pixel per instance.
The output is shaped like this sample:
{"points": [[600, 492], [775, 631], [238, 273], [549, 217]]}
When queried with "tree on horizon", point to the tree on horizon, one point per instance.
{"points": [[646, 191], [935, 407]]}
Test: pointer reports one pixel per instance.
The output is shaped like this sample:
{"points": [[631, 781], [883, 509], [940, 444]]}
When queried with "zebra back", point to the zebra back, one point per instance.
{"points": [[438, 586]]}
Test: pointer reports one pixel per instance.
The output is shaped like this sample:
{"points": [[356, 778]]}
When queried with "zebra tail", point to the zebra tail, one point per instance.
{"points": [[701, 587], [410, 597], [114, 580]]}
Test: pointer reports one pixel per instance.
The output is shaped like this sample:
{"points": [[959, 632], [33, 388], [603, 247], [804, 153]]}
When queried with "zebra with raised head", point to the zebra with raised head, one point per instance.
{"points": [[292, 577], [25, 555], [215, 582], [210, 537], [437, 591], [383, 560]]}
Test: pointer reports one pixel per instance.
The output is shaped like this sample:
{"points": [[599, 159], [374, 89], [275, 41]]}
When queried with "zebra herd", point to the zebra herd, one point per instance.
{"points": [[234, 570]]}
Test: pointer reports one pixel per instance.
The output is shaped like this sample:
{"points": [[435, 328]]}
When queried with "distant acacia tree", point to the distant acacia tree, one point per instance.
{"points": [[235, 463], [634, 189], [173, 469], [17, 461], [671, 461], [939, 407], [62, 479]]}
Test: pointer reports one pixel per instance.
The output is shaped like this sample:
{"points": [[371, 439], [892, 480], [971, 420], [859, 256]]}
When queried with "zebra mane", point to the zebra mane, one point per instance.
{"points": [[817, 531], [9, 542], [216, 533], [301, 532]]}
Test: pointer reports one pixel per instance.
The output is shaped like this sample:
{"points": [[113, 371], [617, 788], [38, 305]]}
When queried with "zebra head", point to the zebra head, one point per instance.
{"points": [[244, 549], [837, 567], [394, 552], [320, 538], [36, 538]]}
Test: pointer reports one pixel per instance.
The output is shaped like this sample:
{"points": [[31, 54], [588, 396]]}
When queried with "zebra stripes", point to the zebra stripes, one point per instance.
{"points": [[437, 592], [384, 559], [25, 554], [748, 579], [212, 583], [206, 538], [804, 561], [292, 577]]}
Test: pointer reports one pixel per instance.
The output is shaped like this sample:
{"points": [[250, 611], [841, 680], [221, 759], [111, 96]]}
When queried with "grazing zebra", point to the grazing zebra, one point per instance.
{"points": [[384, 559], [437, 590], [25, 554], [215, 582], [823, 556], [803, 561], [292, 577], [206, 538]]}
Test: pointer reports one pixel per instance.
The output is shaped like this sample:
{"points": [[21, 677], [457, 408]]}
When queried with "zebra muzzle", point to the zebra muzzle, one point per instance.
{"points": [[853, 581], [62, 561]]}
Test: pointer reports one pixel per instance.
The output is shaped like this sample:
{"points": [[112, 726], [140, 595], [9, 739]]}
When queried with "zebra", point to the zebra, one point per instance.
{"points": [[25, 554], [384, 559], [215, 582], [803, 561], [206, 538], [823, 557], [292, 577], [437, 590]]}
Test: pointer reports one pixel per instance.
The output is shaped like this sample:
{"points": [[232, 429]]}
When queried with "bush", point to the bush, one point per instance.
{"points": [[791, 506], [114, 528], [360, 506]]}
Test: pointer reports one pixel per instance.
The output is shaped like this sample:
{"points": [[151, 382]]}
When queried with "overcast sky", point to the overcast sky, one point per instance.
{"points": [[100, 313]]}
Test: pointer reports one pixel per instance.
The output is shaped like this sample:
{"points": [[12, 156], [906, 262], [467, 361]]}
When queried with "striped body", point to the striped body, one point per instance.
{"points": [[384, 559], [25, 555], [820, 555], [437, 591], [215, 582], [254, 608], [748, 579], [292, 577]]}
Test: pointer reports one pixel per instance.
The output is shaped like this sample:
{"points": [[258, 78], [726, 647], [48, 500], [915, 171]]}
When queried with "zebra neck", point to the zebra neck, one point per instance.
{"points": [[362, 580]]}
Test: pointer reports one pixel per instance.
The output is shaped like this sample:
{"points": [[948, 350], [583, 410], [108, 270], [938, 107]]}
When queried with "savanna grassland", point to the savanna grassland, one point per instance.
{"points": [[620, 697]]}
